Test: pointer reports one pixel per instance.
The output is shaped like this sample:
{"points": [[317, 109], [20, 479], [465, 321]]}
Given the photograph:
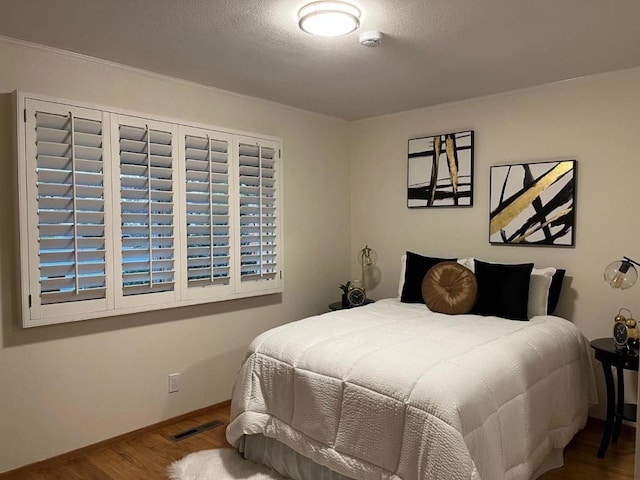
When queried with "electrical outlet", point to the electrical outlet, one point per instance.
{"points": [[174, 382]]}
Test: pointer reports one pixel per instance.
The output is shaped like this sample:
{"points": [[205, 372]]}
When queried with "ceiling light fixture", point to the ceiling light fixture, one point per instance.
{"points": [[329, 18]]}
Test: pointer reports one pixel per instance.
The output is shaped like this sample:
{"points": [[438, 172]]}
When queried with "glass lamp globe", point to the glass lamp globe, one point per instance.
{"points": [[367, 257], [621, 274]]}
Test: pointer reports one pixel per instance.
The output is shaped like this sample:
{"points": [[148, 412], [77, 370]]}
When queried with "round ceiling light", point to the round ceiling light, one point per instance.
{"points": [[328, 18]]}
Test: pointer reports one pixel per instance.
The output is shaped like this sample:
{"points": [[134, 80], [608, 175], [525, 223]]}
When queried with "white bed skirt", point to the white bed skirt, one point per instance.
{"points": [[287, 462]]}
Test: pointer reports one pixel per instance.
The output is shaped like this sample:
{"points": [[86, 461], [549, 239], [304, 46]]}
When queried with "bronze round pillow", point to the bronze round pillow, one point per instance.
{"points": [[449, 287]]}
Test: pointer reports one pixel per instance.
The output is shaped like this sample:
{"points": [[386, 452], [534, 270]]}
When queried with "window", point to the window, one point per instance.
{"points": [[121, 213]]}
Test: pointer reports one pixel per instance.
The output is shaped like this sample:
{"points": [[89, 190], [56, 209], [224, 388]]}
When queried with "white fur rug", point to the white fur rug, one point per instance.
{"points": [[219, 464]]}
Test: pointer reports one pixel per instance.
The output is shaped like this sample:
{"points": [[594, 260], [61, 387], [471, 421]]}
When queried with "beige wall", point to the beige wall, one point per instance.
{"points": [[67, 386], [595, 121]]}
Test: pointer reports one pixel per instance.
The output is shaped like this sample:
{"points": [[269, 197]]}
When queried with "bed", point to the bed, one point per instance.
{"points": [[393, 390]]}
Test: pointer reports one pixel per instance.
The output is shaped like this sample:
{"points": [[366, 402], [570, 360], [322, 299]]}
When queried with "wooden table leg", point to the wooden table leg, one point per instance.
{"points": [[619, 405], [608, 426]]}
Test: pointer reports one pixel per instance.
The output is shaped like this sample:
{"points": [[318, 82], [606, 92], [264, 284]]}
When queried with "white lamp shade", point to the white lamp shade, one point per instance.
{"points": [[329, 18]]}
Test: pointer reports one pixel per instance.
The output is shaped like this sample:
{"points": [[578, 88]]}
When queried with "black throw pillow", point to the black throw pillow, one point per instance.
{"points": [[416, 268], [503, 290]]}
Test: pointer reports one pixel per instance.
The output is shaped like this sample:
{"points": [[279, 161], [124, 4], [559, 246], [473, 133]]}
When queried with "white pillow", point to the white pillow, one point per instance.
{"points": [[468, 262], [539, 291], [403, 270]]}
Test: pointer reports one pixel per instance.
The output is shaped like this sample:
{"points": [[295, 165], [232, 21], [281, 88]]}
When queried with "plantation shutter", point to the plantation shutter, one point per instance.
{"points": [[147, 228], [207, 211], [67, 221], [259, 212], [120, 213]]}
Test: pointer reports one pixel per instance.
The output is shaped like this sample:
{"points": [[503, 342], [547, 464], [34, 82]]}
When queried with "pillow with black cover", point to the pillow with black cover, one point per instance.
{"points": [[417, 267], [503, 289], [554, 290]]}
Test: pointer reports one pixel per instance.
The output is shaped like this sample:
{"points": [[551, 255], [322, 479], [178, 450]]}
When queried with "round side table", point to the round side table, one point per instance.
{"points": [[611, 355], [338, 305]]}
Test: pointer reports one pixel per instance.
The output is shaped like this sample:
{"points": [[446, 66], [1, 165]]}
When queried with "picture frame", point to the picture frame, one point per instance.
{"points": [[440, 170], [533, 203]]}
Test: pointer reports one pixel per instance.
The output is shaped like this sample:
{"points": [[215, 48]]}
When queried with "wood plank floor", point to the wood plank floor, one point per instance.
{"points": [[147, 456], [581, 463]]}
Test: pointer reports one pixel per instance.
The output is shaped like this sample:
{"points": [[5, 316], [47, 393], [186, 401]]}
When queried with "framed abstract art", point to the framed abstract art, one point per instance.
{"points": [[533, 204], [440, 171]]}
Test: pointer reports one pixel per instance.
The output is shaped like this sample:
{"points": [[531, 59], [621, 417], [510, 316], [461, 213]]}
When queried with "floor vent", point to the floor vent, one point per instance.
{"points": [[194, 431]]}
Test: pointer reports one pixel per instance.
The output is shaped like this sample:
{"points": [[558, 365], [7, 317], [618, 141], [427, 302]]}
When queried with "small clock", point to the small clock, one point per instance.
{"points": [[356, 296], [625, 330]]}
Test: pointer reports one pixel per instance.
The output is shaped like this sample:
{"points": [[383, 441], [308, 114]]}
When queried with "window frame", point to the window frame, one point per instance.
{"points": [[32, 314]]}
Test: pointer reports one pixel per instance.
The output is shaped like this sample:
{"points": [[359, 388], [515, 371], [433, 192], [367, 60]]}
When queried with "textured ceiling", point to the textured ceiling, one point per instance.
{"points": [[434, 51]]}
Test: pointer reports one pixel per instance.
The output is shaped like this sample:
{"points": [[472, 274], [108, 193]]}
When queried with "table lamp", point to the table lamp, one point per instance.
{"points": [[367, 257], [621, 274]]}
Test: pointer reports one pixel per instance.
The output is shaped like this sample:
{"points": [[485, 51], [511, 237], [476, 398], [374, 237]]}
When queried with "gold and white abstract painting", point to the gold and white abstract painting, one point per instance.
{"points": [[533, 204], [440, 171]]}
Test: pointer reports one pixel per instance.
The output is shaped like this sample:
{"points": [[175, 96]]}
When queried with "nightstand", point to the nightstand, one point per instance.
{"points": [[612, 356], [338, 305]]}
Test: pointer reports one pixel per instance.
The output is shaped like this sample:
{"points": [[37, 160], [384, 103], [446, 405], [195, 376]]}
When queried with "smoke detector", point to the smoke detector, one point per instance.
{"points": [[371, 39]]}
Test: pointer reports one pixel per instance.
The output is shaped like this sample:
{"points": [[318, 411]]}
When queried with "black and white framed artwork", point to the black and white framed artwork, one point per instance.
{"points": [[440, 171], [533, 204]]}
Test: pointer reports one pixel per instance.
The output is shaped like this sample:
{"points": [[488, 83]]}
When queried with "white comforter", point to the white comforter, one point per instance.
{"points": [[393, 391]]}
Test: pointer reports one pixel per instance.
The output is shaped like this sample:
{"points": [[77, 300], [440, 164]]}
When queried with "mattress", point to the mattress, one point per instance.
{"points": [[394, 391]]}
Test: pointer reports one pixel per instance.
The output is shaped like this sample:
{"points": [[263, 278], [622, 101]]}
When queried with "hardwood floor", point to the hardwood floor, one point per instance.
{"points": [[146, 456], [140, 457], [581, 463]]}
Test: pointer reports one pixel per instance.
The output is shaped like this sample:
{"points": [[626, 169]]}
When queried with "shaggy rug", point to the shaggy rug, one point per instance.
{"points": [[219, 464]]}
